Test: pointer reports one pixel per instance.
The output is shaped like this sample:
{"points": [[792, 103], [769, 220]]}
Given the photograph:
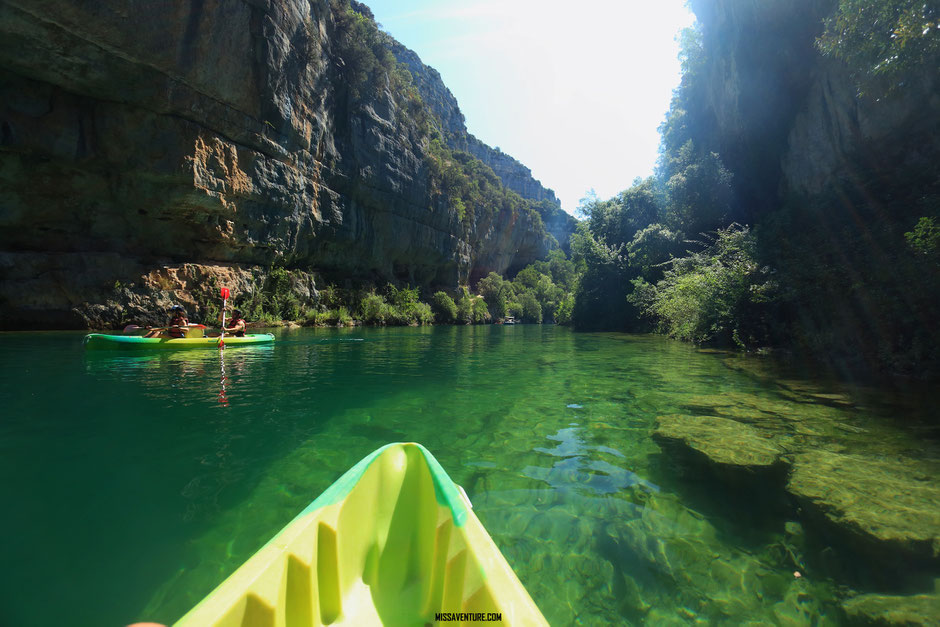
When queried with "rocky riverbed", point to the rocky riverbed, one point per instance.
{"points": [[848, 479]]}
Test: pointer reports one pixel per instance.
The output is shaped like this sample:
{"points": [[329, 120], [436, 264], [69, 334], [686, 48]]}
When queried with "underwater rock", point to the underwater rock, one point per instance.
{"points": [[667, 542], [877, 609], [723, 442], [888, 502]]}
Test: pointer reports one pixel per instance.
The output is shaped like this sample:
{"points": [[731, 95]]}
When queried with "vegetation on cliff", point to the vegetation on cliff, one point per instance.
{"points": [[300, 141], [848, 275], [460, 182], [540, 292]]}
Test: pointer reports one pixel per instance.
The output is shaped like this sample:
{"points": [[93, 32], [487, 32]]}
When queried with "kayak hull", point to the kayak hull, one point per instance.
{"points": [[106, 341], [393, 541]]}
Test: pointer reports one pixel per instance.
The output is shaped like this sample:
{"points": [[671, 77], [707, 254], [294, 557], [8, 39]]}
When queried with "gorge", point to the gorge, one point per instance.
{"points": [[147, 153]]}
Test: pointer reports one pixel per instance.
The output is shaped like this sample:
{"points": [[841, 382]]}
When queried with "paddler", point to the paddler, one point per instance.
{"points": [[178, 321], [236, 325]]}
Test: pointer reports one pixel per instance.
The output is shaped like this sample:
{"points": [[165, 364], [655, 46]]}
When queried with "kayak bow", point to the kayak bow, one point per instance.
{"points": [[393, 541]]}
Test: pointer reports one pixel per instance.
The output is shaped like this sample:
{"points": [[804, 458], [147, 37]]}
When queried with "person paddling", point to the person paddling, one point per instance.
{"points": [[178, 321], [236, 325]]}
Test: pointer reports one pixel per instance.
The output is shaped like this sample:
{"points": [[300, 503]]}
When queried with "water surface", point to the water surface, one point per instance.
{"points": [[133, 484]]}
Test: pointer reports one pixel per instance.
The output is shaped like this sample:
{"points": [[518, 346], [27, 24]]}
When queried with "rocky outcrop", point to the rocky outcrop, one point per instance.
{"points": [[511, 172], [79, 290], [135, 136], [894, 610], [726, 443], [890, 504], [787, 120]]}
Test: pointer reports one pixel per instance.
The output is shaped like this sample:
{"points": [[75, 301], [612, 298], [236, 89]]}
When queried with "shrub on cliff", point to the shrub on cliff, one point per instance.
{"points": [[712, 294], [464, 307], [479, 313], [374, 310], [531, 309], [444, 308], [884, 42]]}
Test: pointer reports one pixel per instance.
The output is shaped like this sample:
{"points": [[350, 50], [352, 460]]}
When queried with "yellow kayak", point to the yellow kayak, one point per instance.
{"points": [[394, 541], [108, 341]]}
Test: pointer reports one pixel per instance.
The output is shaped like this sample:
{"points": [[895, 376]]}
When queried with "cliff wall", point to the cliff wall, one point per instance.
{"points": [[835, 163], [139, 136], [788, 121], [513, 174]]}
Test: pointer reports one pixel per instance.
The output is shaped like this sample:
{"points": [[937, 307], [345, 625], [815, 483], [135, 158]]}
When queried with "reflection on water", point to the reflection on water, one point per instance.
{"points": [[173, 468], [577, 471]]}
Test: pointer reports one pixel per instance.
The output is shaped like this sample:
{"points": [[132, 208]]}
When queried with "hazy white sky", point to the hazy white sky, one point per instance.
{"points": [[575, 91]]}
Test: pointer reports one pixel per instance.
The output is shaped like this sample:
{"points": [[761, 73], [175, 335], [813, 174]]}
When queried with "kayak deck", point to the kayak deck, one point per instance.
{"points": [[393, 541], [106, 341]]}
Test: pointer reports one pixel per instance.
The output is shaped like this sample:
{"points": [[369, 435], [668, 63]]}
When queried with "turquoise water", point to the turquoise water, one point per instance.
{"points": [[133, 484]]}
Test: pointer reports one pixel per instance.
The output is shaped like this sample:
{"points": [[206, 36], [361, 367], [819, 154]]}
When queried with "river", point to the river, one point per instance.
{"points": [[132, 484]]}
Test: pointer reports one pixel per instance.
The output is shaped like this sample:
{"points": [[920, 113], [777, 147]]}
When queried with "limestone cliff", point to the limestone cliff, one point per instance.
{"points": [[789, 121], [513, 174], [835, 164], [139, 136]]}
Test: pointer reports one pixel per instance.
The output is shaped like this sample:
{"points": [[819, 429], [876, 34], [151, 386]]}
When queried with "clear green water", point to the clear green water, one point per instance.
{"points": [[132, 485]]}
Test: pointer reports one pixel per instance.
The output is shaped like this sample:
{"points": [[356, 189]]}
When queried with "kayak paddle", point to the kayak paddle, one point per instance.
{"points": [[225, 295]]}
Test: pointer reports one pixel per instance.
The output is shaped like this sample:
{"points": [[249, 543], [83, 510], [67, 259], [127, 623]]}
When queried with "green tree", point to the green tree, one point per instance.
{"points": [[650, 248], [496, 291], [374, 310], [925, 238], [563, 270], [531, 309], [479, 314], [464, 307], [699, 190], [713, 294], [883, 40], [615, 221], [444, 308], [600, 300]]}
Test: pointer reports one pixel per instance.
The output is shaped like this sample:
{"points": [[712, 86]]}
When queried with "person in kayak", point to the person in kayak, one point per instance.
{"points": [[178, 320], [236, 325]]}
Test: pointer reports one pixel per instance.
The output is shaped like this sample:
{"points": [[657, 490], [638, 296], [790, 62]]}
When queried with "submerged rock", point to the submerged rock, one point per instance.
{"points": [[879, 609], [889, 502], [721, 441]]}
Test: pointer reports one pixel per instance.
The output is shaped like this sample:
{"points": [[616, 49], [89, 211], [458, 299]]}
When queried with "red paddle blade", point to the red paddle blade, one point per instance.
{"points": [[225, 292]]}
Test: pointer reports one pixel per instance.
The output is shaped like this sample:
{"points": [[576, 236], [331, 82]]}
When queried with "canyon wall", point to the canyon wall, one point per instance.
{"points": [[137, 137]]}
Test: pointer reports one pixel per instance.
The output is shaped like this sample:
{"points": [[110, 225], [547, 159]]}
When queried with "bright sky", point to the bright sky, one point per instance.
{"points": [[575, 91]]}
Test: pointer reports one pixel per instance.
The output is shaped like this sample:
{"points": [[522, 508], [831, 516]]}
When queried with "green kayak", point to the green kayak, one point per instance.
{"points": [[106, 341]]}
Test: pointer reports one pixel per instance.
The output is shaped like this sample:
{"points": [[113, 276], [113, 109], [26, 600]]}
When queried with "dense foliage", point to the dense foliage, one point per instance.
{"points": [[460, 183], [714, 293], [883, 41], [850, 277]]}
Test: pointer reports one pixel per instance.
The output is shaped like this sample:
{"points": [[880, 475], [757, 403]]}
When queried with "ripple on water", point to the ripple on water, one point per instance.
{"points": [[548, 431]]}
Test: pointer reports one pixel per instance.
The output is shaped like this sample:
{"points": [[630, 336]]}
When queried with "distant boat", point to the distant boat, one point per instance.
{"points": [[510, 320]]}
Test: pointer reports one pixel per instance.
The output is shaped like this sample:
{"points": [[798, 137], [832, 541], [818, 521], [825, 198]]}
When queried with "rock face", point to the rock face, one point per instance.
{"points": [[135, 135], [514, 175], [788, 120]]}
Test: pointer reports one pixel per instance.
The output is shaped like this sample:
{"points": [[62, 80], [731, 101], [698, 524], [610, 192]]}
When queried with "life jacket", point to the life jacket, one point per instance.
{"points": [[177, 321], [233, 322]]}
